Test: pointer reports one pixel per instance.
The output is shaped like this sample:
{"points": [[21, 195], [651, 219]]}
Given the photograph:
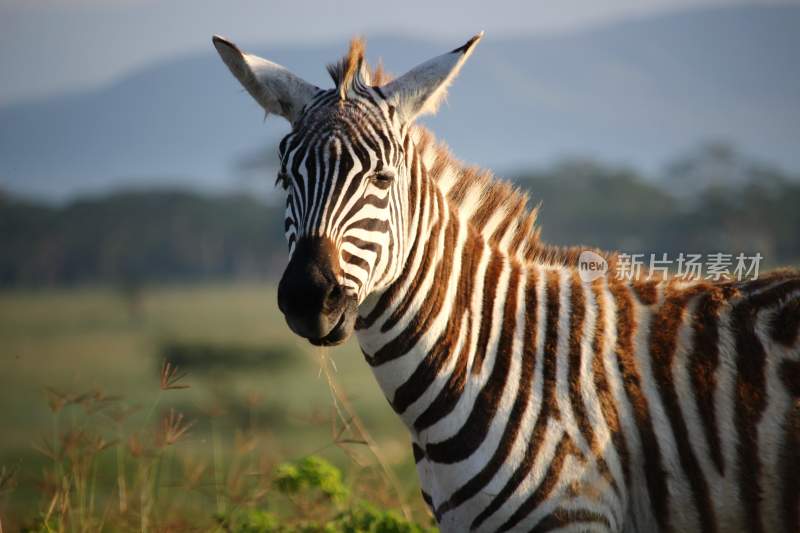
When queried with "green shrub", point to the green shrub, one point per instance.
{"points": [[313, 479], [311, 474]]}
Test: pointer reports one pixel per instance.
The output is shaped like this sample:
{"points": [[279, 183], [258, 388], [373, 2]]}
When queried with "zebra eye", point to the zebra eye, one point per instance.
{"points": [[383, 179], [282, 180]]}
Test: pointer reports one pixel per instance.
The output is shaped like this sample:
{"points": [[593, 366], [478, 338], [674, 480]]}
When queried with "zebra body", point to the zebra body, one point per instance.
{"points": [[585, 407], [535, 401]]}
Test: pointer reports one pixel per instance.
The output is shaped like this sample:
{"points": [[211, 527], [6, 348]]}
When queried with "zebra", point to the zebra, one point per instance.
{"points": [[535, 400]]}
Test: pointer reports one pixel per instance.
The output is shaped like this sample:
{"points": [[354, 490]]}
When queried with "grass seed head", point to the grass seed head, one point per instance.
{"points": [[173, 428], [171, 377]]}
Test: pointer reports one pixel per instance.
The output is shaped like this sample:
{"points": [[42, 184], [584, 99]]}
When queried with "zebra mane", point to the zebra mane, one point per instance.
{"points": [[352, 68], [496, 208]]}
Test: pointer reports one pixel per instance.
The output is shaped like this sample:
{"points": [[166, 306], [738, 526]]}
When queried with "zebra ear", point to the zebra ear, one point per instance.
{"points": [[277, 90], [420, 90]]}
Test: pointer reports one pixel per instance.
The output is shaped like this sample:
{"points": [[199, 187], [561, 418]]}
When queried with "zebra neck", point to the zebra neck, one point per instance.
{"points": [[414, 333]]}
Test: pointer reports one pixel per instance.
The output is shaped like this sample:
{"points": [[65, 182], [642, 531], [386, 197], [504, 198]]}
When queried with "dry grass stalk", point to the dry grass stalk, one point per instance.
{"points": [[342, 404], [171, 377]]}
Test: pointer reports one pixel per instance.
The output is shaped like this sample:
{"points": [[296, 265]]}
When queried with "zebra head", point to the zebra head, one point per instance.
{"points": [[346, 167]]}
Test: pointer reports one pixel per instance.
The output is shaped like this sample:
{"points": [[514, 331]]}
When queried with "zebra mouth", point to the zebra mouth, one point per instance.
{"points": [[343, 328]]}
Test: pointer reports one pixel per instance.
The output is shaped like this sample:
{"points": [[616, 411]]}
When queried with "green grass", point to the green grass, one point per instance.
{"points": [[103, 339]]}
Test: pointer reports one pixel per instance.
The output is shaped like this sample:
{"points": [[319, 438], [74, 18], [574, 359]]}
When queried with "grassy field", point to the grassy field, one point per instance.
{"points": [[83, 364]]}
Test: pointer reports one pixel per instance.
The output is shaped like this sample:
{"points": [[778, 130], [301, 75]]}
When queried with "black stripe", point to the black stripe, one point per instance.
{"points": [[472, 433], [546, 411], [501, 453]]}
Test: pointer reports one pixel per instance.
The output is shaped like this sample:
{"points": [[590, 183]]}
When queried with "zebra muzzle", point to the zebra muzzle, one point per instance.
{"points": [[310, 297]]}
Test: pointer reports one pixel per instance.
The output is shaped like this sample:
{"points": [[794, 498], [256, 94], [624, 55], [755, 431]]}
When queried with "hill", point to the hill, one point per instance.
{"points": [[633, 92]]}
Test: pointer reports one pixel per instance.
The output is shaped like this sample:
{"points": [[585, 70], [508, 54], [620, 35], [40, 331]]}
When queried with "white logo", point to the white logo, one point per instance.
{"points": [[591, 266]]}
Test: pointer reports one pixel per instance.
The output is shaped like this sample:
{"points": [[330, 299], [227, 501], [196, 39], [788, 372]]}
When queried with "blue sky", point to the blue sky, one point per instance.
{"points": [[49, 46]]}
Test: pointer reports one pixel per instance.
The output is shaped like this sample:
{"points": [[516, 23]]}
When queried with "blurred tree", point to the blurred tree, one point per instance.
{"points": [[257, 170], [715, 165], [142, 236], [755, 210], [585, 202], [175, 235]]}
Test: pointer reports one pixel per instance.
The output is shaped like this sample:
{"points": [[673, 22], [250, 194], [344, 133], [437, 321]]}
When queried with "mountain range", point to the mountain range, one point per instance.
{"points": [[634, 92]]}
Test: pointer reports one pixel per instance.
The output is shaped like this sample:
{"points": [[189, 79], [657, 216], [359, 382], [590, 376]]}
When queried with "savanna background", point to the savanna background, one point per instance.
{"points": [[148, 381]]}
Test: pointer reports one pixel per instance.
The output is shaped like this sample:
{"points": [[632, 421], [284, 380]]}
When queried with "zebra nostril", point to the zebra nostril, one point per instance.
{"points": [[334, 297]]}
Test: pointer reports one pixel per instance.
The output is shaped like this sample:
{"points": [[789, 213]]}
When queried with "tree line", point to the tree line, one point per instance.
{"points": [[713, 200]]}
